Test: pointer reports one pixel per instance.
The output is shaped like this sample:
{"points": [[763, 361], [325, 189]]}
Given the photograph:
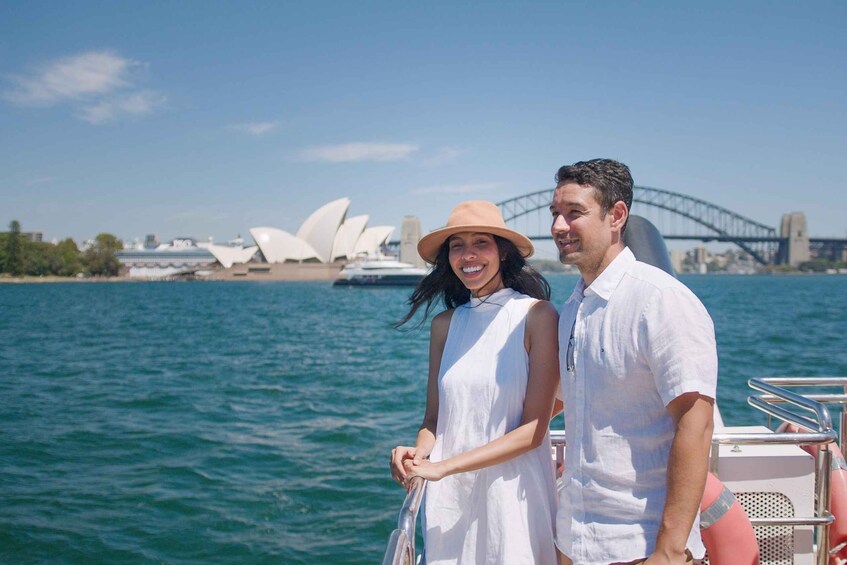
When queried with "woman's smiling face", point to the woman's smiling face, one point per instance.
{"points": [[475, 258]]}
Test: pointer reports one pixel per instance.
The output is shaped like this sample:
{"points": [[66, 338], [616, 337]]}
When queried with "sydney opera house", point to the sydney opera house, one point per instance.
{"points": [[325, 241]]}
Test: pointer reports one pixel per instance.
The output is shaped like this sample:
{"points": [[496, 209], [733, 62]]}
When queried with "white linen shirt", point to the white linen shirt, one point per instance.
{"points": [[640, 339]]}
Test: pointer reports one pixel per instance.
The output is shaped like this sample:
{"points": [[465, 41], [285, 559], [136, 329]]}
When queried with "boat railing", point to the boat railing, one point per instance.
{"points": [[401, 542], [558, 440], [827, 398], [809, 412]]}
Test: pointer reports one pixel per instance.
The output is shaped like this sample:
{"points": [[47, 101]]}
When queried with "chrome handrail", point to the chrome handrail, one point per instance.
{"points": [[794, 408], [558, 442], [822, 431], [824, 422], [401, 543], [805, 381], [824, 398]]}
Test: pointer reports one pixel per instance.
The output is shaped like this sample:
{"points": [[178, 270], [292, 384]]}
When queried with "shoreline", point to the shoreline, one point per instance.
{"points": [[112, 280], [56, 279]]}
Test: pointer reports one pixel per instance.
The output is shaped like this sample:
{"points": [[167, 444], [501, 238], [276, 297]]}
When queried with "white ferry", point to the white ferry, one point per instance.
{"points": [[380, 271]]}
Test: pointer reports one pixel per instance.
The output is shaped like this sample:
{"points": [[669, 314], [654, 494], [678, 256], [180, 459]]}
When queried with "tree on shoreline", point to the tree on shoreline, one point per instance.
{"points": [[40, 259], [21, 257], [100, 258], [70, 258], [14, 263]]}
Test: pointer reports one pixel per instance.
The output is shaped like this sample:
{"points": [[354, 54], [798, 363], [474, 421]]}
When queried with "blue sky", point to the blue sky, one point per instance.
{"points": [[207, 118]]}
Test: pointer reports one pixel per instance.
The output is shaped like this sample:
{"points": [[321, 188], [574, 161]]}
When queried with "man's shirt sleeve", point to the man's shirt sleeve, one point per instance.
{"points": [[678, 339]]}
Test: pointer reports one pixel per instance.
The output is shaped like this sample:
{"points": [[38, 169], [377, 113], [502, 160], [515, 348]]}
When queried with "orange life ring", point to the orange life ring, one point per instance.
{"points": [[837, 498], [725, 527]]}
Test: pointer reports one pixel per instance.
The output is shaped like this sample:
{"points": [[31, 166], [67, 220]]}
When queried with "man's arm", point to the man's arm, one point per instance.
{"points": [[688, 465]]}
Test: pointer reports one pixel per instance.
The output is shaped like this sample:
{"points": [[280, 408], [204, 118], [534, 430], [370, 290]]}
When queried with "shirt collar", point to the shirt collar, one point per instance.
{"points": [[605, 284], [578, 292]]}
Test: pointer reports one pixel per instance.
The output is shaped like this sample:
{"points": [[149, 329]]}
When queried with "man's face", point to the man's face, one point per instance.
{"points": [[582, 232]]}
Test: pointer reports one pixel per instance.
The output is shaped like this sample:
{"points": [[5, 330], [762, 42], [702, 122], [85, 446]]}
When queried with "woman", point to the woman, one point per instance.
{"points": [[493, 375]]}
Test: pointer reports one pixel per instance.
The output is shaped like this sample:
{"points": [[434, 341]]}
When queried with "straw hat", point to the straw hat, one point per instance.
{"points": [[474, 216]]}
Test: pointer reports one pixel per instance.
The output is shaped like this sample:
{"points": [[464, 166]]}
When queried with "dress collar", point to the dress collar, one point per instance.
{"points": [[499, 297]]}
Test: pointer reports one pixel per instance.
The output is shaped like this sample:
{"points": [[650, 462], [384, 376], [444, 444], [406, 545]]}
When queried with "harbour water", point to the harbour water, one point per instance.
{"points": [[251, 422]]}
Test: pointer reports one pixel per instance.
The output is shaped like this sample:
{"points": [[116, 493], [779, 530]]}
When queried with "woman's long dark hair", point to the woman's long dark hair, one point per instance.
{"points": [[443, 283]]}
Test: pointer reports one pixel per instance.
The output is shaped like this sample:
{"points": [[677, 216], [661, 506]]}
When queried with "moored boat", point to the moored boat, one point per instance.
{"points": [[382, 271]]}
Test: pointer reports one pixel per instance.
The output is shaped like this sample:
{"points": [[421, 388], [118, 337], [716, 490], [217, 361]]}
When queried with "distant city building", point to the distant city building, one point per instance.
{"points": [[180, 256], [410, 235], [677, 260], [30, 235], [701, 258]]}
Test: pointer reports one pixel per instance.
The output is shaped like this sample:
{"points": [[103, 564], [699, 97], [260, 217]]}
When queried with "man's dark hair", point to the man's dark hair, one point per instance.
{"points": [[611, 180]]}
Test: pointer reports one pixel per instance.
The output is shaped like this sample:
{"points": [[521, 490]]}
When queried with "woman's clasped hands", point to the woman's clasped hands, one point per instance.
{"points": [[410, 462]]}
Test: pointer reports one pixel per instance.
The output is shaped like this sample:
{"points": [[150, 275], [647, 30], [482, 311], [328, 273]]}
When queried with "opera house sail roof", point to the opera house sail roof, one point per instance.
{"points": [[344, 246], [319, 229], [228, 255], [326, 236]]}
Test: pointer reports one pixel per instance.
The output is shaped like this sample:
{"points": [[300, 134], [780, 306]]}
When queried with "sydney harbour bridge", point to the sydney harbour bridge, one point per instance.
{"points": [[679, 217]]}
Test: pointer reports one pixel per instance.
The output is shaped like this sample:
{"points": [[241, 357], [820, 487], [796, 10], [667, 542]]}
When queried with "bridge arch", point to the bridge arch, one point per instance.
{"points": [[720, 224]]}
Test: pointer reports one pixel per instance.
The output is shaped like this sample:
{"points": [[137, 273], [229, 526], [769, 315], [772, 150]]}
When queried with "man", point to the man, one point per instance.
{"points": [[638, 370]]}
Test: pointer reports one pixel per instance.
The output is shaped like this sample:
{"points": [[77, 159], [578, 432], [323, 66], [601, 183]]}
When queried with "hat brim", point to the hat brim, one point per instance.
{"points": [[429, 244]]}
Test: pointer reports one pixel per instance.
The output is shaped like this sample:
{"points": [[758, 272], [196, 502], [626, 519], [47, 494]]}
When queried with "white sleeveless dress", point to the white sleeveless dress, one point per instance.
{"points": [[504, 514]]}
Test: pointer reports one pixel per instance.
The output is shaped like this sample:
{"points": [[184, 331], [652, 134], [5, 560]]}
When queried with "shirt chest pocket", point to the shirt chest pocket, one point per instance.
{"points": [[613, 351]]}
